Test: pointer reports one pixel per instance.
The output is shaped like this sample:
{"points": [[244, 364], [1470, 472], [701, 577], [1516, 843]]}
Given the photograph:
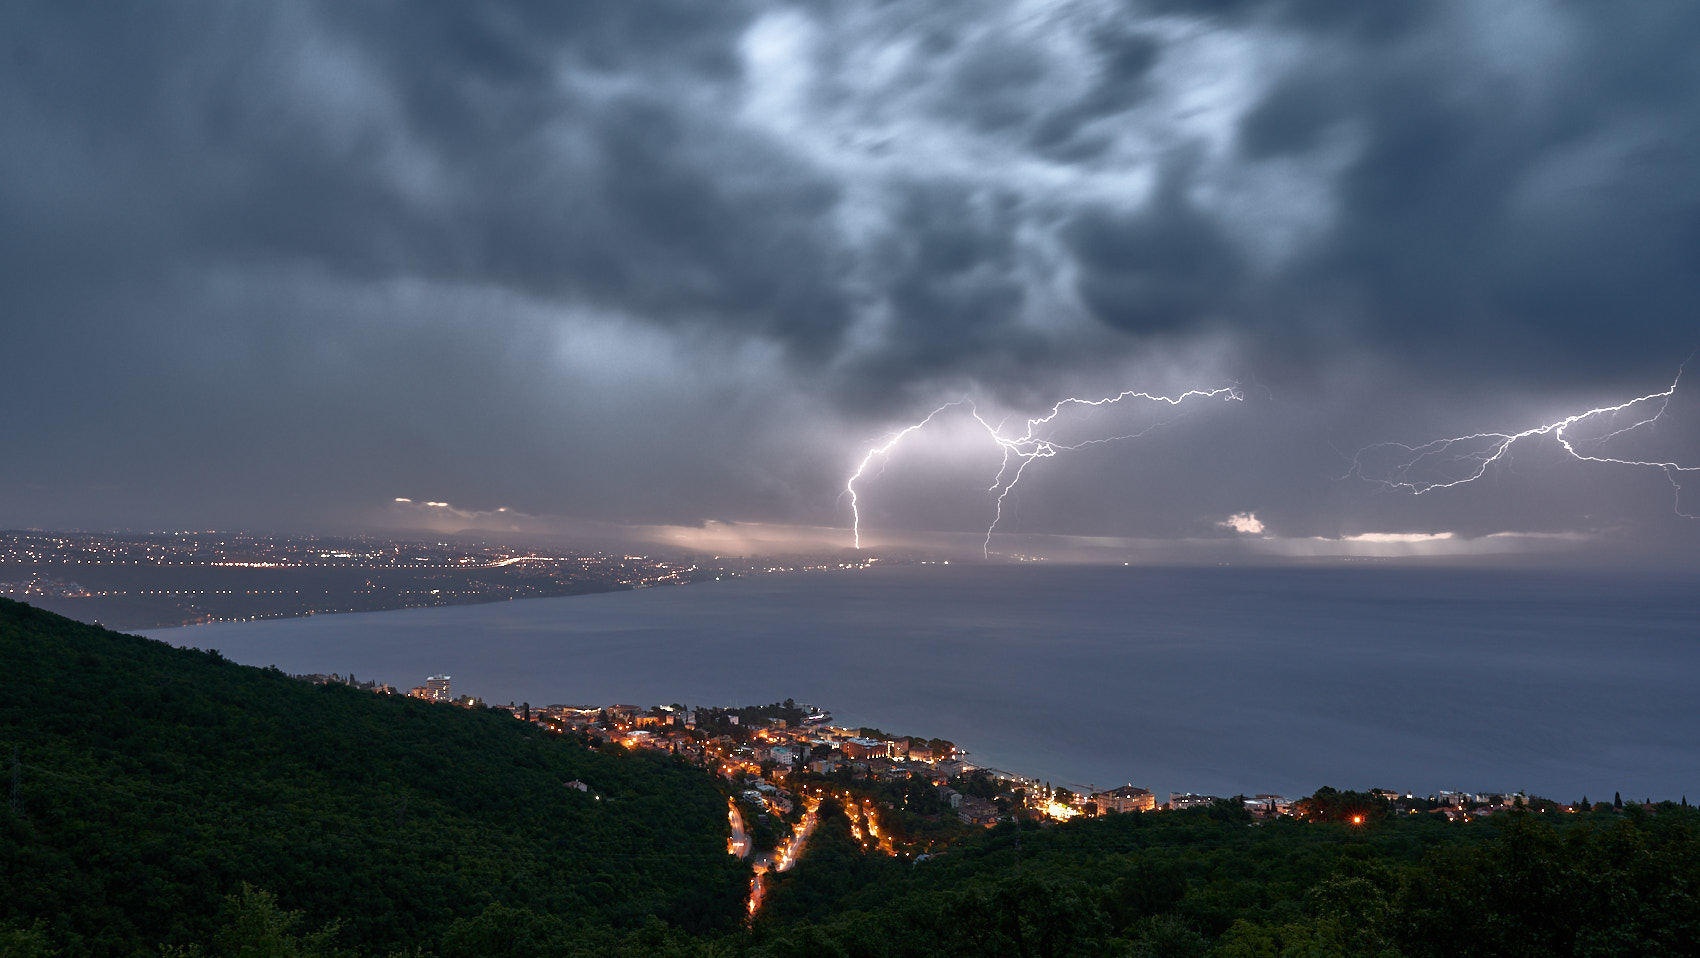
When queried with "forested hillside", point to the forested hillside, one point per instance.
{"points": [[153, 782], [1212, 883]]}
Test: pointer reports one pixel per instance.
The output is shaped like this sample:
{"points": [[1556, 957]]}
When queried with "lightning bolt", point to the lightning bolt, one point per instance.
{"points": [[1020, 451], [1464, 459]]}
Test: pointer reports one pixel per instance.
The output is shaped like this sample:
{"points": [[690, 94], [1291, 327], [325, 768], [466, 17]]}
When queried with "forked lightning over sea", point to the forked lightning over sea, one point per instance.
{"points": [[1020, 451]]}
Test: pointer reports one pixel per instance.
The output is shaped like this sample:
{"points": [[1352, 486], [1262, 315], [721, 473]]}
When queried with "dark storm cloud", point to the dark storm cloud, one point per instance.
{"points": [[257, 139], [1162, 268], [1122, 59], [1366, 21], [662, 260], [219, 142], [1524, 224], [1495, 215], [953, 259]]}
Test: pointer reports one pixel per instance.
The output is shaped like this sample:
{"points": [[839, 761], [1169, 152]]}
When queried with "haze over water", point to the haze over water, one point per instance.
{"points": [[1219, 680]]}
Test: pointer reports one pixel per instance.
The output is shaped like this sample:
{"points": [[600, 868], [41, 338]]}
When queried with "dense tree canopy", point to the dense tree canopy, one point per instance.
{"points": [[155, 781]]}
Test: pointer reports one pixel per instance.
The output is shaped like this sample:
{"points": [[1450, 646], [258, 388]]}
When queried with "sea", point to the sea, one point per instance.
{"points": [[1215, 680]]}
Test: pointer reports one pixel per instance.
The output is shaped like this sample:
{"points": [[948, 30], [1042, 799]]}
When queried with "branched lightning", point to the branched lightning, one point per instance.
{"points": [[1445, 463], [1020, 451], [880, 452]]}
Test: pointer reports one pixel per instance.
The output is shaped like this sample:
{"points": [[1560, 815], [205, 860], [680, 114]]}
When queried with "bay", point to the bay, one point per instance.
{"points": [[1219, 680]]}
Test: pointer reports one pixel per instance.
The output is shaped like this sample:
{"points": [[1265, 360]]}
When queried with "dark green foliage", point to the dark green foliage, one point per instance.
{"points": [[1203, 882], [25, 941], [1331, 805], [977, 784], [750, 716], [1627, 887], [156, 781], [255, 927], [835, 865]]}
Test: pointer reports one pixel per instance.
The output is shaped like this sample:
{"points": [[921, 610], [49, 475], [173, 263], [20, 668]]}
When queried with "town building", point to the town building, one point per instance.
{"points": [[437, 688], [1128, 798], [976, 811], [859, 748], [654, 719], [1265, 804]]}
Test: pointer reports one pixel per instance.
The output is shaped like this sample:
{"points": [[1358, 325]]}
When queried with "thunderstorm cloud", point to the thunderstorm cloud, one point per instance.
{"points": [[679, 266]]}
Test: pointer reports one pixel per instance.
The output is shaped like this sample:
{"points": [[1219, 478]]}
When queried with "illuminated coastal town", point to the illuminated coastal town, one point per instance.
{"points": [[905, 795]]}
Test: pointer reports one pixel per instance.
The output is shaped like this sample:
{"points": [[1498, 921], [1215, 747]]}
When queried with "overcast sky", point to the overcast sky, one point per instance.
{"points": [[676, 267]]}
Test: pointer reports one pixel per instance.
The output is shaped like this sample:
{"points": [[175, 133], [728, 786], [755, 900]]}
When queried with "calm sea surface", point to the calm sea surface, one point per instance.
{"points": [[1210, 680]]}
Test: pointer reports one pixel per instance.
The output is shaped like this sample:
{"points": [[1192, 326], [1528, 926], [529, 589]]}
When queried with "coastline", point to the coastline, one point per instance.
{"points": [[1216, 681]]}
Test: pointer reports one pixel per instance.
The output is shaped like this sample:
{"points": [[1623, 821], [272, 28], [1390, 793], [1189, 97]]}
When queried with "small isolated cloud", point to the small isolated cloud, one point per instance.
{"points": [[1246, 522]]}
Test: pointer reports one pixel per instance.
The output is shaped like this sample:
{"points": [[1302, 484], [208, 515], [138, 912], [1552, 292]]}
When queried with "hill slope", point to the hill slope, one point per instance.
{"points": [[154, 781]]}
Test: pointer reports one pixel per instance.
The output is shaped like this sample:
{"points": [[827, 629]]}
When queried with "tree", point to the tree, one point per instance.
{"points": [[255, 927], [920, 797], [1167, 936], [501, 932], [1352, 808], [31, 942]]}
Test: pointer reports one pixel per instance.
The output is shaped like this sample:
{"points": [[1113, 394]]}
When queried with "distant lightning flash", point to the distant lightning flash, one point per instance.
{"points": [[1464, 459], [1019, 451]]}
